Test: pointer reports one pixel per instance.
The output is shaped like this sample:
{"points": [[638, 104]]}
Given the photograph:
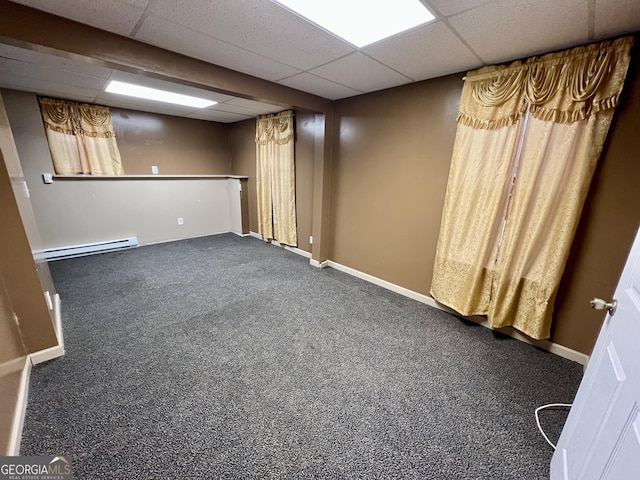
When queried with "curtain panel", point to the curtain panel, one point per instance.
{"points": [[81, 138], [275, 178], [528, 139]]}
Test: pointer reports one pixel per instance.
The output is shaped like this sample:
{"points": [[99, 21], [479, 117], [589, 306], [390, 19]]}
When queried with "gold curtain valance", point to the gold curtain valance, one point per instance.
{"points": [[277, 128], [562, 87], [73, 118]]}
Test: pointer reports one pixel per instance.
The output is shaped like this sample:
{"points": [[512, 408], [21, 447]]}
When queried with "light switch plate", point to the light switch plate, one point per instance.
{"points": [[47, 177]]}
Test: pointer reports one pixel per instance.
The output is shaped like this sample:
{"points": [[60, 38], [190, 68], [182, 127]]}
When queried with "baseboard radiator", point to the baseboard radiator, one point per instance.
{"points": [[90, 248]]}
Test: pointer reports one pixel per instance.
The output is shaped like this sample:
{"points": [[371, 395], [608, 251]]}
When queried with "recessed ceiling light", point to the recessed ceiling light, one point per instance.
{"points": [[361, 22], [148, 93]]}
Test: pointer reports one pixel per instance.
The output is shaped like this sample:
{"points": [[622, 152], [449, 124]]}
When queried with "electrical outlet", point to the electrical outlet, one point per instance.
{"points": [[311, 239], [154, 169], [180, 221]]}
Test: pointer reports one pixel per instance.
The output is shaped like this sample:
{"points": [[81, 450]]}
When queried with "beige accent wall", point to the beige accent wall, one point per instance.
{"points": [[391, 162], [243, 155], [71, 212], [175, 145]]}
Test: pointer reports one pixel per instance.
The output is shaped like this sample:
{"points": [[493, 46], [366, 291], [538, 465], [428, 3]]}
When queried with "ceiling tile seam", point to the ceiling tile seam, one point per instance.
{"points": [[327, 80], [234, 113], [591, 16], [389, 67], [308, 70], [143, 17], [465, 10], [446, 23], [219, 40]]}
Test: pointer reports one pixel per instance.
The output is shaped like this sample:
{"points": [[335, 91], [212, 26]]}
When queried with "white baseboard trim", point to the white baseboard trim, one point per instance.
{"points": [[297, 251], [46, 354], [317, 264], [554, 348], [23, 392], [241, 234], [20, 410], [281, 245]]}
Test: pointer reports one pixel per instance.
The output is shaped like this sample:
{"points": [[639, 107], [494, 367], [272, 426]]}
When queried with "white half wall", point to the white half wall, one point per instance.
{"points": [[83, 211], [235, 208]]}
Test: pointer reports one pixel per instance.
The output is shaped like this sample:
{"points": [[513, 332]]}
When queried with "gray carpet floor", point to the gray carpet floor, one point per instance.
{"points": [[227, 358]]}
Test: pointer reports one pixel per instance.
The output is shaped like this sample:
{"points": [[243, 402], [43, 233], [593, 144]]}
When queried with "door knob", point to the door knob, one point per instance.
{"points": [[600, 304]]}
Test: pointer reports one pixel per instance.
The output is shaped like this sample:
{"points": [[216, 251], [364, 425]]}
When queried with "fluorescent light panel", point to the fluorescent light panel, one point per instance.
{"points": [[148, 93], [362, 22]]}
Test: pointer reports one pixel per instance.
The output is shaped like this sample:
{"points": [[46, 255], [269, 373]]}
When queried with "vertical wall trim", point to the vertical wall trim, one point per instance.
{"points": [[20, 410]]}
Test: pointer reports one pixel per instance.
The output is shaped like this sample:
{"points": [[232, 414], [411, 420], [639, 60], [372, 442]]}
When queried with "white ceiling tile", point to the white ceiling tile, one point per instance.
{"points": [[506, 30], [61, 63], [253, 105], [51, 93], [171, 36], [117, 16], [260, 27], [262, 39], [217, 116], [451, 7], [361, 73], [242, 110], [9, 68], [610, 21], [319, 86], [47, 87], [417, 55]]}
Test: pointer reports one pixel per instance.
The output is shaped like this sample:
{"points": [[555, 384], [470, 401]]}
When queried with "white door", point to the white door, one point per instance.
{"points": [[601, 438]]}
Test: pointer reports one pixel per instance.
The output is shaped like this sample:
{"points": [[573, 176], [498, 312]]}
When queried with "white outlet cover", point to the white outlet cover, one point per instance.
{"points": [[154, 169], [180, 221]]}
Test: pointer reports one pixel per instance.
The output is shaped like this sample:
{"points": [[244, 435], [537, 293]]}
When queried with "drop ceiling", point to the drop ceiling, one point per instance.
{"points": [[260, 38]]}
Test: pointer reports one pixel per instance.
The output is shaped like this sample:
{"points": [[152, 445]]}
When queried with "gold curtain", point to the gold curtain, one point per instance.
{"points": [[528, 140], [275, 178], [81, 138]]}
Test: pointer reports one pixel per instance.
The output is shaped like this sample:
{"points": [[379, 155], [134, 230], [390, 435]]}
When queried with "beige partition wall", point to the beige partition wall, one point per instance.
{"points": [[78, 211]]}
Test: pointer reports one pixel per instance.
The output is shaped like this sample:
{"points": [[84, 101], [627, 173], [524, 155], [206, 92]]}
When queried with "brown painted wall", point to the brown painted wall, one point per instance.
{"points": [[608, 225], [242, 149], [175, 145], [243, 155], [12, 358], [389, 176], [390, 170]]}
